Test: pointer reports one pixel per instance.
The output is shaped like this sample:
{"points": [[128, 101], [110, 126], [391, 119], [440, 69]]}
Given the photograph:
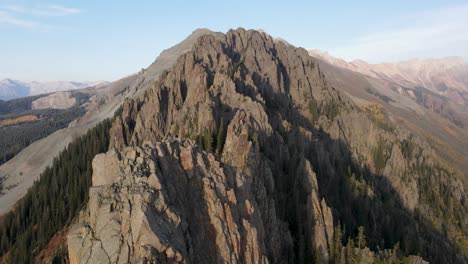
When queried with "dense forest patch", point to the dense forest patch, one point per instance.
{"points": [[54, 199]]}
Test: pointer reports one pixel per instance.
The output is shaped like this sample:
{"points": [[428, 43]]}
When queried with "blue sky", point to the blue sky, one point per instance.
{"points": [[107, 40]]}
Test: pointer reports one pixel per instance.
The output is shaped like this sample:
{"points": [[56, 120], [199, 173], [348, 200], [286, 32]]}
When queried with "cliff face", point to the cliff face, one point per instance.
{"points": [[173, 202], [243, 153]]}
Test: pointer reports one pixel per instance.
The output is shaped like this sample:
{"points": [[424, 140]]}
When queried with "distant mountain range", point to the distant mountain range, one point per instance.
{"points": [[11, 89], [447, 77]]}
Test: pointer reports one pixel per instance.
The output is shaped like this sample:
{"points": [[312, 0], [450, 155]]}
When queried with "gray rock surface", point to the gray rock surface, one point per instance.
{"points": [[173, 202]]}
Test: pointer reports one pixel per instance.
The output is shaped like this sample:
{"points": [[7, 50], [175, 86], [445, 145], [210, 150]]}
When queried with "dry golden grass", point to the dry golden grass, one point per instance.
{"points": [[375, 109], [21, 119]]}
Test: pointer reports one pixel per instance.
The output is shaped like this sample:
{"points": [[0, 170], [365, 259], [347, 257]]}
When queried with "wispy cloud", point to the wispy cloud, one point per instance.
{"points": [[432, 33], [63, 11], [31, 17], [48, 10], [5, 18]]}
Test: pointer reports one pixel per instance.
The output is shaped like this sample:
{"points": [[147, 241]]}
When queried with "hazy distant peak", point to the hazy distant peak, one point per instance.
{"points": [[456, 59], [446, 76], [10, 89]]}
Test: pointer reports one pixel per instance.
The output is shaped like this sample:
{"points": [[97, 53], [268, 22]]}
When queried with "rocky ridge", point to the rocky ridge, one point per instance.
{"points": [[286, 157]]}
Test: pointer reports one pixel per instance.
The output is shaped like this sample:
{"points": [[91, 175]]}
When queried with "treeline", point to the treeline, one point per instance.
{"points": [[18, 136], [54, 199]]}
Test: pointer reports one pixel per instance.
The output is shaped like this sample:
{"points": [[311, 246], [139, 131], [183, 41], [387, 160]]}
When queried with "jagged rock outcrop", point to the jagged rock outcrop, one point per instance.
{"points": [[319, 231], [173, 202], [276, 158]]}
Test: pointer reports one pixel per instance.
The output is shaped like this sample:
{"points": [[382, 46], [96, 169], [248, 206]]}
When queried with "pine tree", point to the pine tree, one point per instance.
{"points": [[394, 254], [337, 244], [379, 155], [361, 238], [350, 257], [207, 140], [220, 137]]}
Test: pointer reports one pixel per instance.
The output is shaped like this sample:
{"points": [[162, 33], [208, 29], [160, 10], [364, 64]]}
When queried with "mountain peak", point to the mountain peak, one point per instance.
{"points": [[200, 31]]}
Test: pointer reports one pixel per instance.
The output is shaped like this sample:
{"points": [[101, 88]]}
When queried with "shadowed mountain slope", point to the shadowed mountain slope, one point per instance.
{"points": [[399, 96]]}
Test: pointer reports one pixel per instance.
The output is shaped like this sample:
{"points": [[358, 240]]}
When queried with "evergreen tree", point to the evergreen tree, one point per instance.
{"points": [[361, 238], [337, 244], [220, 137], [380, 155], [350, 257], [394, 254], [207, 140]]}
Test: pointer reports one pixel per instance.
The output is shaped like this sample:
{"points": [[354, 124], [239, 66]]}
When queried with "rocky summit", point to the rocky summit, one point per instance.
{"points": [[244, 152]]}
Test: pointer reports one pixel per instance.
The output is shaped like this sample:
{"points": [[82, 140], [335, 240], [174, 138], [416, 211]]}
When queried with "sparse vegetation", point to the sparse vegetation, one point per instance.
{"points": [[330, 109]]}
